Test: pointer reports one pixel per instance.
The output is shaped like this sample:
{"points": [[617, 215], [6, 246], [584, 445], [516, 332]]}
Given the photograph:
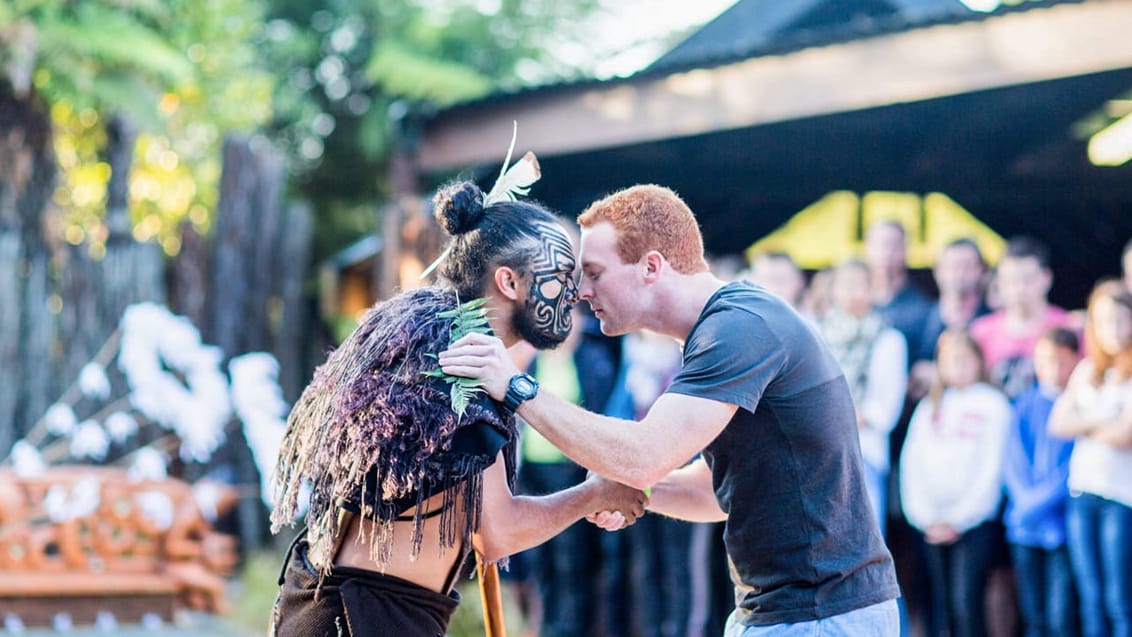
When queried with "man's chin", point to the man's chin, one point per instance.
{"points": [[609, 329]]}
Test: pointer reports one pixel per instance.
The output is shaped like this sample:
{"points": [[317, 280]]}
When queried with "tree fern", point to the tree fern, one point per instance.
{"points": [[467, 318]]}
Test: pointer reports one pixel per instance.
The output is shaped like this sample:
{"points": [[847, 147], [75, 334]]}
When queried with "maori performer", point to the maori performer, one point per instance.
{"points": [[402, 488]]}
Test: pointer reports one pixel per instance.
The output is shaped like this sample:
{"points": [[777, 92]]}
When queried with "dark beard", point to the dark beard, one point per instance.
{"points": [[524, 325]]}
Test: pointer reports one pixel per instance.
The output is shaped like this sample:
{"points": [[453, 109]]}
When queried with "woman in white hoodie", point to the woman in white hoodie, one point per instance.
{"points": [[951, 482]]}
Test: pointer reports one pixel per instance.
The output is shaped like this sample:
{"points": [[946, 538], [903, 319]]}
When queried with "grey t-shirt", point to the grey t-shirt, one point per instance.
{"points": [[787, 469]]}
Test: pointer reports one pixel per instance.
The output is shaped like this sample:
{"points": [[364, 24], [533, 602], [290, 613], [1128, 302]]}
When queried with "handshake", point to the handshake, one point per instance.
{"points": [[619, 506]]}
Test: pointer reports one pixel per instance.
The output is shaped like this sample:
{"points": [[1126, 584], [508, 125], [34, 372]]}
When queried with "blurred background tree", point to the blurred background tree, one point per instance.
{"points": [[349, 71], [325, 80], [184, 72]]}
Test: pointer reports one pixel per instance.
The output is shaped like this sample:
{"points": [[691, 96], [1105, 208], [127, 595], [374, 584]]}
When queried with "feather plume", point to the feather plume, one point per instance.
{"points": [[512, 183], [516, 181]]}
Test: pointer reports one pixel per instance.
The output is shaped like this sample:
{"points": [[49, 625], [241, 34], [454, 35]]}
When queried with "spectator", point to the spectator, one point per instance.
{"points": [[1007, 336], [1036, 471], [960, 274], [777, 272], [874, 358], [815, 303], [894, 296], [1096, 410], [659, 547], [951, 483], [584, 371]]}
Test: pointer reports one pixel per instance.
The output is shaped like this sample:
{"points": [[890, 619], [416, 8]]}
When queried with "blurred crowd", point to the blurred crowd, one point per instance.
{"points": [[995, 429]]}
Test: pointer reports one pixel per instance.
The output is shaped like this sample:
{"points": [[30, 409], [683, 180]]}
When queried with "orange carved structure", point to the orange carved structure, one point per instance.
{"points": [[115, 556]]}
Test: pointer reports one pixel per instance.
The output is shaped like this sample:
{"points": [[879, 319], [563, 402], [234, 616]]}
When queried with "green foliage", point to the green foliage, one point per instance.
{"points": [[330, 82], [93, 38], [403, 71], [467, 318], [184, 71], [369, 67]]}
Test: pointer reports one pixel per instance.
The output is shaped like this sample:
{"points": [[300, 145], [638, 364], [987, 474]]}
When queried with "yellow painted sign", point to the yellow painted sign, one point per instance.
{"points": [[832, 228]]}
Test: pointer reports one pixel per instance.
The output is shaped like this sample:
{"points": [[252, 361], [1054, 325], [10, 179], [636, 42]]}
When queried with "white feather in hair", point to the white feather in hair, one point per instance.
{"points": [[512, 183]]}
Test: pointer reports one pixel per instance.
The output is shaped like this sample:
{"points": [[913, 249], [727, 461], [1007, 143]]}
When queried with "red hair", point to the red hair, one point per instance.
{"points": [[1115, 291], [649, 217]]}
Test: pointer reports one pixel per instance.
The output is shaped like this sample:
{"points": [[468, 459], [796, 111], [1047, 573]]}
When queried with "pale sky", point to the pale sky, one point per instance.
{"points": [[629, 33], [629, 29]]}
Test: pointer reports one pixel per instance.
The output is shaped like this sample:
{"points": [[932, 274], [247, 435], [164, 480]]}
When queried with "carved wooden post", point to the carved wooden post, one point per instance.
{"points": [[230, 237], [189, 277], [131, 271], [294, 253], [264, 250], [244, 246], [244, 270], [27, 181]]}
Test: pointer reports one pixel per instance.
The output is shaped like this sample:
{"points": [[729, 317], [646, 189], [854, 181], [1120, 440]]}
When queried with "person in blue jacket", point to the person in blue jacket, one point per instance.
{"points": [[1036, 471]]}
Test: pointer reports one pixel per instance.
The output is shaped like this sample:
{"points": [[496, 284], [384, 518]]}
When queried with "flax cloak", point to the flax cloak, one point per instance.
{"points": [[373, 431]]}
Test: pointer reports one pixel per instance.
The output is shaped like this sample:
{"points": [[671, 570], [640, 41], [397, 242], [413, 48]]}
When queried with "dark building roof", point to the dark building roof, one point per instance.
{"points": [[1013, 152], [755, 28], [750, 26]]}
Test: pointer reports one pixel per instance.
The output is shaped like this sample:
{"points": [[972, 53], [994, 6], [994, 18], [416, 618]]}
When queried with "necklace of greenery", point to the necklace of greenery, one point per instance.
{"points": [[467, 318]]}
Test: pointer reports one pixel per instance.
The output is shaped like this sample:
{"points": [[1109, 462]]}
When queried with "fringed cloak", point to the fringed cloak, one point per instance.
{"points": [[371, 420]]}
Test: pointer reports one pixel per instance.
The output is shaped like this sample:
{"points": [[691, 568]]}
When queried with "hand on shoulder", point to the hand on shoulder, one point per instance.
{"points": [[482, 357]]}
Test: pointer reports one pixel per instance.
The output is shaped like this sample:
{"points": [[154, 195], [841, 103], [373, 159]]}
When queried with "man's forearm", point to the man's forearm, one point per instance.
{"points": [[636, 454], [687, 494], [612, 447]]}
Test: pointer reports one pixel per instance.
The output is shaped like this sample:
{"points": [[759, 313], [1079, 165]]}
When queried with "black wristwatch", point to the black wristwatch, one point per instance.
{"points": [[522, 388]]}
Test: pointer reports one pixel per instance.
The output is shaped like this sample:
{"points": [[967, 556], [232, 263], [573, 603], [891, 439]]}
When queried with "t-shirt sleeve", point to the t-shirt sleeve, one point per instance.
{"points": [[731, 357]]}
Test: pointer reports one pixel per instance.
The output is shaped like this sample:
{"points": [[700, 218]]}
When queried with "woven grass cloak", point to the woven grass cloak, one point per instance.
{"points": [[371, 420]]}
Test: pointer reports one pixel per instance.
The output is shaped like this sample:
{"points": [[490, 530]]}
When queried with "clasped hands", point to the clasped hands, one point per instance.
{"points": [[621, 504]]}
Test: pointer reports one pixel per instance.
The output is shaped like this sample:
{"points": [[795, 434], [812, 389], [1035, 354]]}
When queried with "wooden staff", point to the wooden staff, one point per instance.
{"points": [[492, 598]]}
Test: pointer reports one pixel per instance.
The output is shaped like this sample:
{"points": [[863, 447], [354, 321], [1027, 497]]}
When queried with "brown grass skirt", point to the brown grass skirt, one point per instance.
{"points": [[354, 602]]}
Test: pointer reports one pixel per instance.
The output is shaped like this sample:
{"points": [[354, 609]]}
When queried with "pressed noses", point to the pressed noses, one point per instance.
{"points": [[571, 291]]}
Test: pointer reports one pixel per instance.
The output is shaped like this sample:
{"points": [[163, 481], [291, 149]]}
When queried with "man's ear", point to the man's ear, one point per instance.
{"points": [[654, 263], [507, 282]]}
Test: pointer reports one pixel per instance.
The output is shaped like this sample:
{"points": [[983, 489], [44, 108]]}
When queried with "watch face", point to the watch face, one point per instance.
{"points": [[524, 385]]}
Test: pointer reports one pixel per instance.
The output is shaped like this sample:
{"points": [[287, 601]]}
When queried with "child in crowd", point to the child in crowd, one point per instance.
{"points": [[1096, 410], [951, 482], [1035, 473]]}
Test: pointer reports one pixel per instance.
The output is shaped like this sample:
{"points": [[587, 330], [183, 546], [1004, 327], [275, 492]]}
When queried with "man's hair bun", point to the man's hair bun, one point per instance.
{"points": [[459, 207]]}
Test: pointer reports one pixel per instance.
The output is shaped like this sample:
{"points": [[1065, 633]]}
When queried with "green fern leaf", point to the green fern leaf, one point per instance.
{"points": [[467, 318]]}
